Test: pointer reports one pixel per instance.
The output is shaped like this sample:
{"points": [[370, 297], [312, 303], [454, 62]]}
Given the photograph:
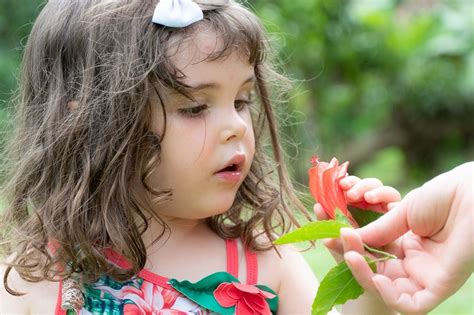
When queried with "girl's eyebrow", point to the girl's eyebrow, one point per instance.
{"points": [[216, 85]]}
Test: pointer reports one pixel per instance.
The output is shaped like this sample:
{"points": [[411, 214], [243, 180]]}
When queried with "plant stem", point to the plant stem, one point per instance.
{"points": [[381, 252], [379, 259]]}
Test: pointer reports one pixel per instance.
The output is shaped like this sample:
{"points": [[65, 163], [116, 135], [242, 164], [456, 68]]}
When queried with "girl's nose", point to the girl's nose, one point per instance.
{"points": [[234, 126]]}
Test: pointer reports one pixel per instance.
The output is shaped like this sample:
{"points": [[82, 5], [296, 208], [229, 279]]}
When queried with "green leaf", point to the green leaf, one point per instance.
{"points": [[313, 231], [364, 217], [340, 217], [337, 287]]}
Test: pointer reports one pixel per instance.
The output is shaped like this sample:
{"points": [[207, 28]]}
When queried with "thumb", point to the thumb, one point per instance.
{"points": [[388, 227]]}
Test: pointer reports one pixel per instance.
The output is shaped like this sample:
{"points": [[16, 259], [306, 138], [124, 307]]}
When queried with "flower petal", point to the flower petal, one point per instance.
{"points": [[314, 183], [257, 302], [267, 295], [233, 292], [315, 179], [333, 163], [341, 202], [131, 309], [222, 296], [266, 310], [242, 308], [246, 288], [342, 170], [330, 193]]}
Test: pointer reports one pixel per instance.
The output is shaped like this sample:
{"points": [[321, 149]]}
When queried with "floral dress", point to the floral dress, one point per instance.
{"points": [[151, 294]]}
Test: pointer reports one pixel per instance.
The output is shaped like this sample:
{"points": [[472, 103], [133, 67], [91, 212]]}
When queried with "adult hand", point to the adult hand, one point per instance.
{"points": [[367, 193], [431, 233]]}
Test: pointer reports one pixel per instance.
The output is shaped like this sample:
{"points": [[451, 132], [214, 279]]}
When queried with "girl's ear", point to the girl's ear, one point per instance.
{"points": [[72, 105]]}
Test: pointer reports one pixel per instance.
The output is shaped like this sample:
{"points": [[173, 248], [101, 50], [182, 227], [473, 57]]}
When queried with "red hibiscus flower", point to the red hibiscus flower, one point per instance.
{"points": [[247, 299], [324, 186]]}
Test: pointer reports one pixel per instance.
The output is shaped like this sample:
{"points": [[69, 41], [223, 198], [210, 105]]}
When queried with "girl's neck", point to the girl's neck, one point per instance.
{"points": [[170, 255], [178, 231]]}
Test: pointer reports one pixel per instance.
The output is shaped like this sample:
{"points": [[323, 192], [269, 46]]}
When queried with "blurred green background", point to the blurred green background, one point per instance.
{"points": [[385, 84]]}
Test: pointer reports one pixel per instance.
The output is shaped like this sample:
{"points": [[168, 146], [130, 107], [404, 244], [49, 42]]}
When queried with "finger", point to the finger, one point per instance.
{"points": [[338, 257], [377, 199], [364, 205], [349, 181], [335, 248], [320, 213], [392, 205], [356, 193], [385, 288], [407, 285], [334, 244], [395, 248], [351, 241], [387, 228], [397, 298], [384, 194], [361, 270], [392, 269]]}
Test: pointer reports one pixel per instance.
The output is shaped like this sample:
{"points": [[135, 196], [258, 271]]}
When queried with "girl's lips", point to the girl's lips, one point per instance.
{"points": [[235, 164], [230, 176], [232, 171]]}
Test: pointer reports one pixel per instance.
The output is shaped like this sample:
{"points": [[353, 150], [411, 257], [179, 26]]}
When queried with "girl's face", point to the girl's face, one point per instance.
{"points": [[209, 144]]}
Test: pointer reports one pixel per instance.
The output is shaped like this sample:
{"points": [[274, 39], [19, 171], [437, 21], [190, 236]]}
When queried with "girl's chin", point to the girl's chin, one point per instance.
{"points": [[213, 211], [200, 209]]}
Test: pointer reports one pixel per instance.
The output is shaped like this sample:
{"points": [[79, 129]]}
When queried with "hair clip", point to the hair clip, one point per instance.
{"points": [[177, 13]]}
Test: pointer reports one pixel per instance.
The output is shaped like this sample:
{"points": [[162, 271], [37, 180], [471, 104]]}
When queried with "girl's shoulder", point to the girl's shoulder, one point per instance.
{"points": [[296, 285], [37, 298], [282, 261]]}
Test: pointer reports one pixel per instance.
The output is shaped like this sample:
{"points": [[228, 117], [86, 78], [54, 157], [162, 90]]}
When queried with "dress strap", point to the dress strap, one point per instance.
{"points": [[232, 257], [59, 301], [252, 267], [53, 246], [233, 261]]}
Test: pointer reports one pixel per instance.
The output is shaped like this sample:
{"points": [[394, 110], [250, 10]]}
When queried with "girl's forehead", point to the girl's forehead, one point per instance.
{"points": [[200, 48], [193, 57], [201, 44]]}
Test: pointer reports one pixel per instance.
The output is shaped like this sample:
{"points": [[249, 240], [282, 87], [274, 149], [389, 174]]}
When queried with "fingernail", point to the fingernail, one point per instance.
{"points": [[344, 232], [348, 256]]}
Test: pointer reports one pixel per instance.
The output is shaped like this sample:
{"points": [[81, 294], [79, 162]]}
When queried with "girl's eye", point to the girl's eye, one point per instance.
{"points": [[195, 111], [244, 103], [241, 104]]}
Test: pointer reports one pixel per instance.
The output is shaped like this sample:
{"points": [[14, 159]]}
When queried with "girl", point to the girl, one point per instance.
{"points": [[141, 182]]}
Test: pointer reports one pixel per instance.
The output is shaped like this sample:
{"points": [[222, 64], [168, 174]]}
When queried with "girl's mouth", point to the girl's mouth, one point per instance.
{"points": [[230, 168], [232, 172], [235, 164]]}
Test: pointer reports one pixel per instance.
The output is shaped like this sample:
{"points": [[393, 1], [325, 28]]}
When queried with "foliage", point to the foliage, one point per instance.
{"points": [[16, 19], [386, 84], [339, 285], [313, 231], [391, 78], [377, 75]]}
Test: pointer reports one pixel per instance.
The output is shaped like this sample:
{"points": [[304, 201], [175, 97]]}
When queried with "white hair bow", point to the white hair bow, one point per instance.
{"points": [[177, 13]]}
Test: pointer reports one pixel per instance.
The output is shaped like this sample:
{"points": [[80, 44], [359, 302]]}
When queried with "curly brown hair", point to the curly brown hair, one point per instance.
{"points": [[72, 170]]}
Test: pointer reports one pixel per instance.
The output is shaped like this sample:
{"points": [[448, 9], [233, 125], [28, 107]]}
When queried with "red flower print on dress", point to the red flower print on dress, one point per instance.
{"points": [[324, 186], [248, 299]]}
